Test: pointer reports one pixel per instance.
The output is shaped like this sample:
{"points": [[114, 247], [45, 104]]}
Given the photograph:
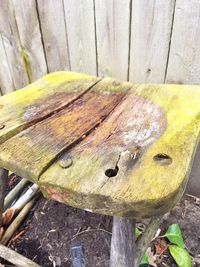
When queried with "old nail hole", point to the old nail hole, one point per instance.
{"points": [[163, 159], [2, 126], [112, 172]]}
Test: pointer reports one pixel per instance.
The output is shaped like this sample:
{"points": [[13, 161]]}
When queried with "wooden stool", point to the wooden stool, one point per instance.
{"points": [[105, 146]]}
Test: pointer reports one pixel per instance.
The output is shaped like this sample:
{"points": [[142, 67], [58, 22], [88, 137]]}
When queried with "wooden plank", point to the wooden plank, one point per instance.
{"points": [[112, 30], [81, 35], [30, 37], [44, 141], [184, 58], [14, 257], [12, 45], [6, 82], [150, 37], [52, 19], [119, 160], [20, 109]]}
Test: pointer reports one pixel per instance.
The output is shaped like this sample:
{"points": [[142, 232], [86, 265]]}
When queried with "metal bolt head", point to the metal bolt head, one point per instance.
{"points": [[65, 163]]}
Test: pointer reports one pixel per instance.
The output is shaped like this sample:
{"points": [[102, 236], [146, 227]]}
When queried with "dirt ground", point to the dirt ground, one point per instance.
{"points": [[52, 228]]}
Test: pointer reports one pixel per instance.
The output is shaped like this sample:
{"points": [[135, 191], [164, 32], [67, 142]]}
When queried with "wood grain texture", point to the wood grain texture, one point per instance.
{"points": [[20, 109], [43, 142], [119, 149], [120, 174], [112, 30], [6, 82], [15, 258], [32, 51], [184, 58], [150, 37], [52, 19], [12, 44], [79, 16]]}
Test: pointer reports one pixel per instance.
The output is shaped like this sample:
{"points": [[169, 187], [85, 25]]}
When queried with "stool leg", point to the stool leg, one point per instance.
{"points": [[3, 178], [122, 243]]}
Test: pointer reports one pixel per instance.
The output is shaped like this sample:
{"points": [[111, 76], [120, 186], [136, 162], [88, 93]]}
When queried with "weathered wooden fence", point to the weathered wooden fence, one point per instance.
{"points": [[144, 41]]}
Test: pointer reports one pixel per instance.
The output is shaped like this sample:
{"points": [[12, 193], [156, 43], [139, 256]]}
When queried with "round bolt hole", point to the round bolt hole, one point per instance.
{"points": [[112, 172], [1, 126], [162, 159]]}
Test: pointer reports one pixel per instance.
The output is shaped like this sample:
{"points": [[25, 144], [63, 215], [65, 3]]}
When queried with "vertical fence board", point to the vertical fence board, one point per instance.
{"points": [[184, 59], [52, 19], [6, 83], [11, 43], [112, 26], [81, 35], [150, 37], [30, 38]]}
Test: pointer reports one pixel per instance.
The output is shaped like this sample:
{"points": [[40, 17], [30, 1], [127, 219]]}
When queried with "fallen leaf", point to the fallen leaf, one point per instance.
{"points": [[160, 245], [8, 215]]}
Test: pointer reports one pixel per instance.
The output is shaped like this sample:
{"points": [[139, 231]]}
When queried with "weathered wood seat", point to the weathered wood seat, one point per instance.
{"points": [[103, 145]]}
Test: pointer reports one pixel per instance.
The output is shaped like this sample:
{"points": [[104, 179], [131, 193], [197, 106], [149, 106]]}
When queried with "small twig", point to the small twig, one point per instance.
{"points": [[18, 235], [9, 214], [185, 209], [17, 221], [90, 230], [14, 192], [3, 178], [165, 264]]}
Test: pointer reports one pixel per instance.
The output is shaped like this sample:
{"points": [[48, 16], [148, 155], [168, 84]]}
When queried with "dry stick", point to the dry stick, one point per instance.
{"points": [[145, 239], [15, 258], [14, 192], [17, 221], [19, 204], [3, 178]]}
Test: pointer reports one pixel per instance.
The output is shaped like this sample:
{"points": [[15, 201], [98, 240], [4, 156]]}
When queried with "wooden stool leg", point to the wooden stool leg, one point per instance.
{"points": [[3, 178], [122, 243]]}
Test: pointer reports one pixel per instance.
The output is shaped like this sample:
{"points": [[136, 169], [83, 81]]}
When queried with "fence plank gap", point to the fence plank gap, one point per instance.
{"points": [[52, 20]]}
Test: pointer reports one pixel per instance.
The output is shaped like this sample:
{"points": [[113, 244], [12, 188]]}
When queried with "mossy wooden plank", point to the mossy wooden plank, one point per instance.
{"points": [[31, 151], [20, 109], [136, 163]]}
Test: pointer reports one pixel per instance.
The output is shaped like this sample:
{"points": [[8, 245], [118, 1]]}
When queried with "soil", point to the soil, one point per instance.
{"points": [[52, 228]]}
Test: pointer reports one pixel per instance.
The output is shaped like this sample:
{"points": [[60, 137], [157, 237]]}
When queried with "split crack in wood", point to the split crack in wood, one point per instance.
{"points": [[78, 140]]}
